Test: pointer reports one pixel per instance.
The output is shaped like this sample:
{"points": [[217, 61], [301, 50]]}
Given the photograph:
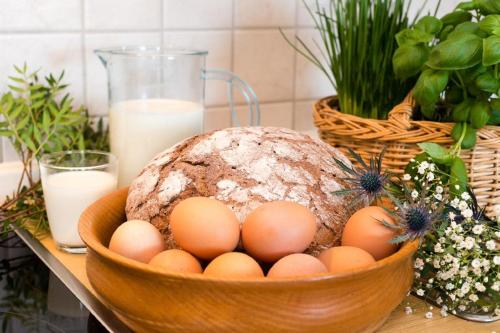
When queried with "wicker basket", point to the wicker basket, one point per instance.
{"points": [[400, 135]]}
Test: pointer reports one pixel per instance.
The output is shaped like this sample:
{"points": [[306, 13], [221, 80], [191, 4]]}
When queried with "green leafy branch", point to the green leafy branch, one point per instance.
{"points": [[37, 117]]}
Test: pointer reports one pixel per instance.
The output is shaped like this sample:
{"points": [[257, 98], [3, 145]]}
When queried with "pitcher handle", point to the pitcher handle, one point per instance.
{"points": [[245, 89]]}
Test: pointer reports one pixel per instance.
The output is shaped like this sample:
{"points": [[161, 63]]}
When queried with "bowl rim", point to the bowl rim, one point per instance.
{"points": [[85, 227]]}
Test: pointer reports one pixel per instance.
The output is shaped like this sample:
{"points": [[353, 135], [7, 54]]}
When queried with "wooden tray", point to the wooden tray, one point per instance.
{"points": [[70, 268]]}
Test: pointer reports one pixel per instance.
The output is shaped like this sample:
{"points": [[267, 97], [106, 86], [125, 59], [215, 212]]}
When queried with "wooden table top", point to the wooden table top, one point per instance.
{"points": [[398, 322]]}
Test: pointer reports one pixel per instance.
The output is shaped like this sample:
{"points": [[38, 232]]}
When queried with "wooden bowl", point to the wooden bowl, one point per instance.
{"points": [[148, 299]]}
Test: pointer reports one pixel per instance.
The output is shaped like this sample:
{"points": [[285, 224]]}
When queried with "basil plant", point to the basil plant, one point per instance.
{"points": [[457, 61]]}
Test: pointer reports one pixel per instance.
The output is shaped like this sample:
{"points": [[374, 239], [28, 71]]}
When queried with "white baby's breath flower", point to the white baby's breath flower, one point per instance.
{"points": [[408, 310], [444, 311], [428, 315], [438, 248], [406, 176], [465, 196], [450, 286], [430, 176], [491, 244], [414, 194], [496, 286], [467, 213], [476, 263], [454, 203], [473, 297], [479, 287], [497, 233], [478, 229], [462, 205], [422, 167], [420, 292], [465, 288], [439, 300], [462, 307], [438, 196], [496, 260], [457, 187], [419, 263], [469, 242]]}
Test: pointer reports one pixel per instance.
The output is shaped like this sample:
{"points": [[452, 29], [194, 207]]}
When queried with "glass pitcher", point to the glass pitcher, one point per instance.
{"points": [[156, 99]]}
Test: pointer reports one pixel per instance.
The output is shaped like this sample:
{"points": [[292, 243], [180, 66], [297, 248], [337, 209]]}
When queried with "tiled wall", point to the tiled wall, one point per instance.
{"points": [[241, 35]]}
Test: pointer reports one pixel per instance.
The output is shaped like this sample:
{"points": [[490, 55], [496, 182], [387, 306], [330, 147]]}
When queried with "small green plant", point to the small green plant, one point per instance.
{"points": [[456, 59], [355, 52], [38, 117]]}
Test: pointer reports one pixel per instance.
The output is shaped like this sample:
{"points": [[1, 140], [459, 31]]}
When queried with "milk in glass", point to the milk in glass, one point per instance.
{"points": [[67, 194], [142, 128]]}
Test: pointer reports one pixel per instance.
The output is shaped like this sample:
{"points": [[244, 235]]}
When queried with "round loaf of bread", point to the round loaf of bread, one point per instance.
{"points": [[245, 167]]}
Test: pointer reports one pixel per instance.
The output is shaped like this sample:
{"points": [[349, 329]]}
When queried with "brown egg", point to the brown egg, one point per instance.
{"points": [[176, 261], [364, 230], [295, 265], [345, 258], [138, 240], [204, 227], [277, 229], [235, 265]]}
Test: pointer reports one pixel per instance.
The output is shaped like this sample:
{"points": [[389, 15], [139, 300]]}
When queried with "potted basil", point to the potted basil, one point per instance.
{"points": [[456, 59]]}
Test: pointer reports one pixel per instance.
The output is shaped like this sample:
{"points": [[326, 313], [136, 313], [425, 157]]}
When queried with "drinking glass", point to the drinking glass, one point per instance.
{"points": [[71, 181]]}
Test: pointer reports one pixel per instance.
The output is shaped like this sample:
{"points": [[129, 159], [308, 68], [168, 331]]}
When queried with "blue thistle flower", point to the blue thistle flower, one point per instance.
{"points": [[368, 181], [414, 219]]}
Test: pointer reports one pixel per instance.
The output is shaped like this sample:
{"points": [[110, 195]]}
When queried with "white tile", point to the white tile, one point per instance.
{"points": [[277, 115], [430, 7], [194, 14], [310, 81], [304, 17], [264, 13], [52, 53], [271, 114], [96, 83], [122, 14], [216, 118], [265, 61], [9, 154], [40, 15], [218, 44], [304, 116]]}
